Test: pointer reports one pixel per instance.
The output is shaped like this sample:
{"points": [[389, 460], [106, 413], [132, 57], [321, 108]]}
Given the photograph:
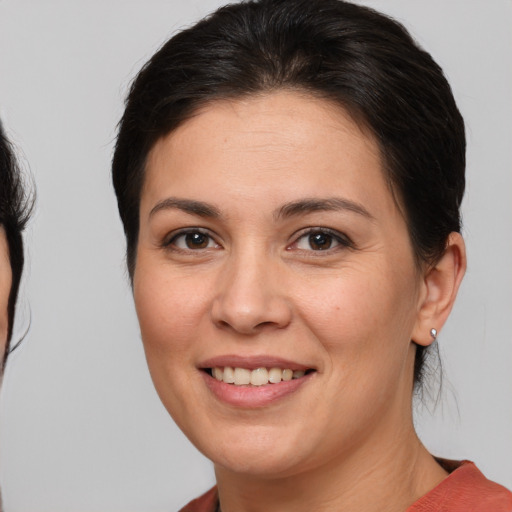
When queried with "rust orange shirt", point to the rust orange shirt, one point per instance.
{"points": [[465, 489]]}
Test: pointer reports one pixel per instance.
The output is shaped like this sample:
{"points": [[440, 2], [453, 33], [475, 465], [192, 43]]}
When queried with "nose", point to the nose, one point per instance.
{"points": [[251, 296]]}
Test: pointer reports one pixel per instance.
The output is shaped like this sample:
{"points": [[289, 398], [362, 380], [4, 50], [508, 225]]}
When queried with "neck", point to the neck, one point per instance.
{"points": [[377, 477]]}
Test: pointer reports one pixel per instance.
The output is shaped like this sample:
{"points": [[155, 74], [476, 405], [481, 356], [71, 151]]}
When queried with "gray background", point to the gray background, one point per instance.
{"points": [[81, 426]]}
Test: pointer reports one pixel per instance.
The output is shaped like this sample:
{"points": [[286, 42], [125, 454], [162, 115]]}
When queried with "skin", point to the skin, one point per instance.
{"points": [[345, 439], [5, 288]]}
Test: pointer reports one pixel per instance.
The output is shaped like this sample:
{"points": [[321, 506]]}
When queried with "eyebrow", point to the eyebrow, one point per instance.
{"points": [[294, 208], [310, 205], [198, 208]]}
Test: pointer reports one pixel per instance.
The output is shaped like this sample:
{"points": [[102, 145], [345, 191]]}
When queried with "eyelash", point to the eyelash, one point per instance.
{"points": [[342, 241], [170, 242]]}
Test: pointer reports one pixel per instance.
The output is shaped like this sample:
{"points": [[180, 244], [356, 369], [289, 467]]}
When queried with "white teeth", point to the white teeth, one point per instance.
{"points": [[257, 377], [287, 375], [242, 376], [229, 375], [274, 375]]}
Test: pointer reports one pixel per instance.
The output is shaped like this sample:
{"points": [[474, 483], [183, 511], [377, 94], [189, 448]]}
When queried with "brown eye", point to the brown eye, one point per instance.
{"points": [[192, 241], [196, 240], [320, 241]]}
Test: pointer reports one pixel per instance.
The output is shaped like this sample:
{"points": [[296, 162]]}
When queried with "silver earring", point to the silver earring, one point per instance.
{"points": [[433, 333]]}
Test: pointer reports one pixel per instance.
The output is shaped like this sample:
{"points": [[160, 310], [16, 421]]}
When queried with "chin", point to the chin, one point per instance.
{"points": [[256, 451], [258, 463]]}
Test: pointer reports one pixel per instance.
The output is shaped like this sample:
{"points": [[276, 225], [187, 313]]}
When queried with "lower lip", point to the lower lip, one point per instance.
{"points": [[251, 397]]}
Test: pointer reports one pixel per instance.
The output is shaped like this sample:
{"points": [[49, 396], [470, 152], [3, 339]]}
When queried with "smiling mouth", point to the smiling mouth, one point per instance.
{"points": [[257, 377]]}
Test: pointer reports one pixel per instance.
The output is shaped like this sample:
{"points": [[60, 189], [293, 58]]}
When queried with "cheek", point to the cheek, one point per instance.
{"points": [[5, 287], [167, 315], [169, 311], [363, 324], [363, 320]]}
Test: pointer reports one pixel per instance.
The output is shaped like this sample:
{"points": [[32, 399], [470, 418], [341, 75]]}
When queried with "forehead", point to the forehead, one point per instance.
{"points": [[254, 116], [260, 139]]}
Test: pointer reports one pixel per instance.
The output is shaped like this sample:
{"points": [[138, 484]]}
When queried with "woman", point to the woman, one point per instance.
{"points": [[14, 212], [289, 175]]}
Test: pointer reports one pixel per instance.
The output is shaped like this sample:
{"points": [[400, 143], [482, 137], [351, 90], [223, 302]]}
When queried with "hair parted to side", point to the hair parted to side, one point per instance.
{"points": [[15, 208], [350, 55]]}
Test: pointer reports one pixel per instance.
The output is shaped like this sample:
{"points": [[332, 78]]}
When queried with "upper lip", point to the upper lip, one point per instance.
{"points": [[252, 362]]}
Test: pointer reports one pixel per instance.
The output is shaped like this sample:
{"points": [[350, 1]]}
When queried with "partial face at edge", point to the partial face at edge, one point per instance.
{"points": [[5, 289], [269, 237]]}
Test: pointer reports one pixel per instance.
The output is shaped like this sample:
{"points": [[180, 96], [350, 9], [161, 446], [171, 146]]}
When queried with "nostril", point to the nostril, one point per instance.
{"points": [[262, 325], [223, 324]]}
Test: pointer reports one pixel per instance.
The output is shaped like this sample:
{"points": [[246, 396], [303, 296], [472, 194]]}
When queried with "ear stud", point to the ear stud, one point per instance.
{"points": [[433, 333]]}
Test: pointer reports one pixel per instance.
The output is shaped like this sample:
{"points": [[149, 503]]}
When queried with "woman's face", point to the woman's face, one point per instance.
{"points": [[270, 239], [5, 288]]}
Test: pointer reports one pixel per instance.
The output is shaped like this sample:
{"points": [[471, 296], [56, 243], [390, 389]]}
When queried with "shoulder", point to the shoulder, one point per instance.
{"points": [[465, 489], [205, 503]]}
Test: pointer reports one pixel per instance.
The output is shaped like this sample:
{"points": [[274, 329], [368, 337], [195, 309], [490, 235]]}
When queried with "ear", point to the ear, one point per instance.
{"points": [[439, 289]]}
